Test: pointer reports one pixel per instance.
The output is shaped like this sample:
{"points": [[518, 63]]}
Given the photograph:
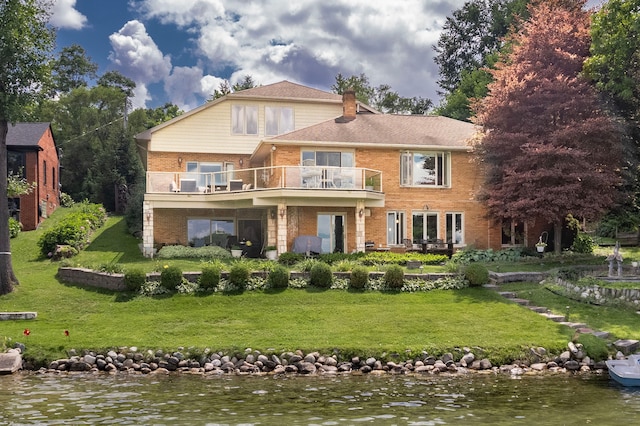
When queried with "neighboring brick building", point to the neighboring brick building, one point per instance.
{"points": [[32, 153], [276, 162]]}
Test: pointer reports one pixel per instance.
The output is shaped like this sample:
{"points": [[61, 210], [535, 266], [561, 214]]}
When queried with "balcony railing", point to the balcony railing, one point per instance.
{"points": [[289, 177]]}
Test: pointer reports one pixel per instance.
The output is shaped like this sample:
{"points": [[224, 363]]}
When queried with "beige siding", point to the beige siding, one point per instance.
{"points": [[209, 131]]}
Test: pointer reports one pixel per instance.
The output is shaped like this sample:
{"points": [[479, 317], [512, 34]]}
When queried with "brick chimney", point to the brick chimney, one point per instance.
{"points": [[349, 104]]}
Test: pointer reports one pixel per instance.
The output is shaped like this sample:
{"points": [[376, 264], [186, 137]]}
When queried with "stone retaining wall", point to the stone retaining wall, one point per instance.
{"points": [[599, 295], [115, 282]]}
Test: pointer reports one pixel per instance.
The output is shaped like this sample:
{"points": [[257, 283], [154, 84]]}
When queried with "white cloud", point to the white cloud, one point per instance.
{"points": [[184, 87], [304, 41], [136, 55], [310, 42], [64, 15]]}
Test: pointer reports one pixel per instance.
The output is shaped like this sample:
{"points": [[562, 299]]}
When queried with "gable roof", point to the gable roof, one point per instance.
{"points": [[384, 130], [286, 90], [26, 135]]}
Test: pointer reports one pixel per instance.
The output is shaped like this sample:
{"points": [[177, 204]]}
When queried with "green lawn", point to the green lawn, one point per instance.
{"points": [[364, 323]]}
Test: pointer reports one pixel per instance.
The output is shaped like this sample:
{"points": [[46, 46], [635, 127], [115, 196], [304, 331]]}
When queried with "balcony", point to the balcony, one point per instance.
{"points": [[307, 179]]}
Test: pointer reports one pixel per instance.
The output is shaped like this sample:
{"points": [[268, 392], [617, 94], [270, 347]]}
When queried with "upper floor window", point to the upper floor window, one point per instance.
{"points": [[278, 120], [44, 172], [16, 163], [244, 120], [424, 169]]}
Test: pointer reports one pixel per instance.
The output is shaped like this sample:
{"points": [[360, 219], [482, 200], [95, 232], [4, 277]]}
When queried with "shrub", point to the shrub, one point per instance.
{"points": [[359, 277], [63, 252], [321, 275], [183, 252], [66, 200], [394, 277], [170, 277], [134, 279], [210, 277], [110, 268], [582, 243], [239, 275], [74, 229], [278, 277], [14, 227], [289, 258], [477, 274]]}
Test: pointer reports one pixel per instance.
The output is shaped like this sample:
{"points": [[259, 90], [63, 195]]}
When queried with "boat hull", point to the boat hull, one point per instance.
{"points": [[625, 371]]}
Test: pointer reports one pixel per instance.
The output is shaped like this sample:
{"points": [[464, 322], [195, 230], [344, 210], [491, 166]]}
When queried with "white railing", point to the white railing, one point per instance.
{"points": [[290, 177]]}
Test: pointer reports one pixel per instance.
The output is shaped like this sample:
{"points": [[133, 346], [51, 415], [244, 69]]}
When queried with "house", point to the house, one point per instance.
{"points": [[32, 154], [276, 162]]}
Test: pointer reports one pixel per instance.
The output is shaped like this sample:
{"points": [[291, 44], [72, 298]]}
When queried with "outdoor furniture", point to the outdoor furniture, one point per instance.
{"points": [[310, 174], [307, 244], [437, 247], [188, 185], [235, 185]]}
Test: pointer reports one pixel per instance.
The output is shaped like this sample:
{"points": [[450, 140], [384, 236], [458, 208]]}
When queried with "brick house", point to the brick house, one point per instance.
{"points": [[277, 162], [32, 153]]}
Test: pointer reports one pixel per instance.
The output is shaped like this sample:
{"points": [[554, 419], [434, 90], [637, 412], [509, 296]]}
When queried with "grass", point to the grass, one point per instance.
{"points": [[621, 321], [369, 323]]}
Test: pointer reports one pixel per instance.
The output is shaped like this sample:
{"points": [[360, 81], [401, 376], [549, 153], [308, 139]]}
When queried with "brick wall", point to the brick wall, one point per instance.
{"points": [[46, 193]]}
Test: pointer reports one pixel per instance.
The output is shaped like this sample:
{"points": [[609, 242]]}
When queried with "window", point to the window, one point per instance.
{"points": [[513, 233], [44, 172], [395, 228], [204, 232], [244, 120], [455, 228], [53, 177], [16, 163], [207, 174], [278, 120], [424, 227], [335, 169], [424, 169]]}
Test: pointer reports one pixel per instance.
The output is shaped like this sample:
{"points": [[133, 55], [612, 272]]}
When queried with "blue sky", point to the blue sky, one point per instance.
{"points": [[180, 50]]}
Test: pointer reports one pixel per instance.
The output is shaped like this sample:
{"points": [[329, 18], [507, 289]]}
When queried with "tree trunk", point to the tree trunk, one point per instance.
{"points": [[557, 237], [7, 277]]}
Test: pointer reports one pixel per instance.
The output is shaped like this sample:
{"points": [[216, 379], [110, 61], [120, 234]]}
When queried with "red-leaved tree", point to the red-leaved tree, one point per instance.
{"points": [[548, 147]]}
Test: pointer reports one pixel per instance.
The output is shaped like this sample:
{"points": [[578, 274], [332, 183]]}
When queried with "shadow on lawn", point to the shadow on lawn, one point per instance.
{"points": [[116, 239]]}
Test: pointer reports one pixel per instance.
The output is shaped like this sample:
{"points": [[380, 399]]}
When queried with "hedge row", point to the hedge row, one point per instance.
{"points": [[74, 230]]}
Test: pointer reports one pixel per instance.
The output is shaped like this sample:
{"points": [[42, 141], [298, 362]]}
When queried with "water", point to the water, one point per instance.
{"points": [[342, 400]]}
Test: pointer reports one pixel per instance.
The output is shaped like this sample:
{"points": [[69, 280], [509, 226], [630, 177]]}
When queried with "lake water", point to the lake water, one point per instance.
{"points": [[321, 400]]}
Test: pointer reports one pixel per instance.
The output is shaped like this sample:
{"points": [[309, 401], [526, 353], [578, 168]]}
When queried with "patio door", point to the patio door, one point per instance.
{"points": [[331, 228]]}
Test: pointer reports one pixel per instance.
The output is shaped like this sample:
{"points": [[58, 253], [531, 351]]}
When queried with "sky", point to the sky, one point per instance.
{"points": [[179, 51]]}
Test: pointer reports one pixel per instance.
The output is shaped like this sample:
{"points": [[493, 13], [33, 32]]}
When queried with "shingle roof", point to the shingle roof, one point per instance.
{"points": [[25, 134], [288, 90], [387, 130]]}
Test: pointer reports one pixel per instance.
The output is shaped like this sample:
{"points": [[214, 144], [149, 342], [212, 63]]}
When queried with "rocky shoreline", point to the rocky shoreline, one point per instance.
{"points": [[130, 360]]}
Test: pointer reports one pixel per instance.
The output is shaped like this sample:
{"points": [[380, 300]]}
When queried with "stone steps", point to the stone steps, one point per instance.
{"points": [[560, 319]]}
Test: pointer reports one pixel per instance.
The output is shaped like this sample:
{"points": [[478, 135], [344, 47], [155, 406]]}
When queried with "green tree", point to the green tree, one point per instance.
{"points": [[358, 83], [72, 69], [471, 34], [548, 147], [382, 98], [614, 66], [26, 43]]}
